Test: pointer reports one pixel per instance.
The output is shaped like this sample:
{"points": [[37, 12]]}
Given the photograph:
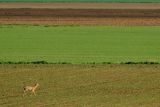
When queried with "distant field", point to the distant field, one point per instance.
{"points": [[134, 1], [81, 85], [79, 44]]}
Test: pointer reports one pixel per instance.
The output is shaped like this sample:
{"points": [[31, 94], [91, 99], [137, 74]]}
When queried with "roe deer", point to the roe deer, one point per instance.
{"points": [[30, 88]]}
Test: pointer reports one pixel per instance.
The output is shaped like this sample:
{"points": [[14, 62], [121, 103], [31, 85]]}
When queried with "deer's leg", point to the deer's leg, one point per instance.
{"points": [[24, 92], [34, 93]]}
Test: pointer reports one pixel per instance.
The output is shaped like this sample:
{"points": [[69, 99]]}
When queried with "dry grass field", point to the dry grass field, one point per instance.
{"points": [[81, 85]]}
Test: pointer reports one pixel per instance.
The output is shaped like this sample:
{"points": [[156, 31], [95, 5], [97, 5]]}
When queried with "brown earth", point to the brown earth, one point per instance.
{"points": [[95, 13], [83, 14], [82, 5], [79, 21]]}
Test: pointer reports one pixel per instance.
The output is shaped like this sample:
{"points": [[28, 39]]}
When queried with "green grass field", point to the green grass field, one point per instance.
{"points": [[81, 85], [79, 44], [134, 1]]}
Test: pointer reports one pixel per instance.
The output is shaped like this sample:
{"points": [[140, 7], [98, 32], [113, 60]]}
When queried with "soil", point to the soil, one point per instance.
{"points": [[82, 5], [79, 21], [80, 13]]}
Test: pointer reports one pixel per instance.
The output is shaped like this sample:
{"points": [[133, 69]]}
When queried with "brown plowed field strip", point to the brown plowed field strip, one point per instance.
{"points": [[95, 13], [83, 14], [80, 21], [82, 5]]}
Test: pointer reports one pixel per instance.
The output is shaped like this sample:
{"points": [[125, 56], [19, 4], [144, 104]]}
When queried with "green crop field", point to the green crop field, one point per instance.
{"points": [[79, 44], [81, 85], [80, 1]]}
